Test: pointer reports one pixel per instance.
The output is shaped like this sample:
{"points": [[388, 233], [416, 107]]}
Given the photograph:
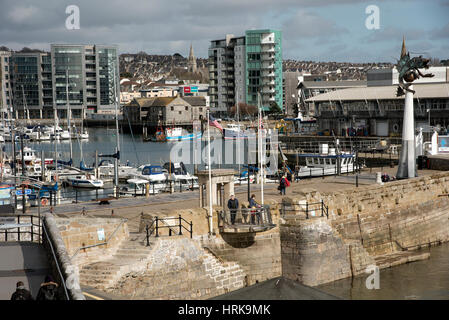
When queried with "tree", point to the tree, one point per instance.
{"points": [[274, 108], [244, 109], [126, 75]]}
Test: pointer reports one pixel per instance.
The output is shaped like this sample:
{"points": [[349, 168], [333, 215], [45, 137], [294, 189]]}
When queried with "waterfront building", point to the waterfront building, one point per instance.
{"points": [[39, 81], [310, 86], [375, 110], [165, 111], [290, 90], [242, 67]]}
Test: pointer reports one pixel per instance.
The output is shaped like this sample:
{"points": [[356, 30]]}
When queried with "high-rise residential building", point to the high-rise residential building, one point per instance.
{"points": [[39, 81], [5, 83], [240, 68]]}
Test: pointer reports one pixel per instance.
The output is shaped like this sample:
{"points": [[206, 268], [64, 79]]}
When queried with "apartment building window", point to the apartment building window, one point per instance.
{"points": [[180, 112], [187, 108], [172, 108]]}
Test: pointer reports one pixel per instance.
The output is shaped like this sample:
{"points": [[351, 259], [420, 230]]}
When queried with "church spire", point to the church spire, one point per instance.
{"points": [[404, 50], [191, 63]]}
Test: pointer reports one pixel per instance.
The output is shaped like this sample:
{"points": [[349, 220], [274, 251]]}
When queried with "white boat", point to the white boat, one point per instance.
{"points": [[318, 165], [84, 181], [179, 134], [137, 187], [155, 175], [106, 169], [178, 174]]}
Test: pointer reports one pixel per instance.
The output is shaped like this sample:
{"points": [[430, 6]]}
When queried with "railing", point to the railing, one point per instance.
{"points": [[50, 243], [309, 209], [76, 194], [173, 229], [29, 222], [260, 216]]}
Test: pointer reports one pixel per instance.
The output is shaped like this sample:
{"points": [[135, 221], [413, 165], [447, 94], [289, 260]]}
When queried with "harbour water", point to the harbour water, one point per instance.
{"points": [[132, 149], [421, 280]]}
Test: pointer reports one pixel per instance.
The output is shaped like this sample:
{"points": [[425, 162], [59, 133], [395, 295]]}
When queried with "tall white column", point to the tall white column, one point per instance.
{"points": [[407, 161]]}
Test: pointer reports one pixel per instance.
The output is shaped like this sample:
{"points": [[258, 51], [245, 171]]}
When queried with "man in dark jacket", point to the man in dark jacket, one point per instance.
{"points": [[49, 290], [282, 185], [233, 205], [21, 293]]}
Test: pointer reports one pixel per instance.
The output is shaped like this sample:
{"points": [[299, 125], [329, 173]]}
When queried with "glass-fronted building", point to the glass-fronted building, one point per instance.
{"points": [[240, 68], [264, 67], [39, 81]]}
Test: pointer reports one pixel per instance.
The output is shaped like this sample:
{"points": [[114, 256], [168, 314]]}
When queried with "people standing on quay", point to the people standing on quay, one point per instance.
{"points": [[283, 183], [254, 213], [233, 205], [21, 293], [49, 290]]}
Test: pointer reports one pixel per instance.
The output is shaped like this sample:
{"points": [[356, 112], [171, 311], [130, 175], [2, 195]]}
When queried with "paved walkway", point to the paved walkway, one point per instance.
{"points": [[26, 262], [277, 289], [131, 207]]}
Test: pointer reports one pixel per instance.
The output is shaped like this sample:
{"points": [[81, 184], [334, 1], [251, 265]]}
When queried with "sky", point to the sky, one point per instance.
{"points": [[317, 30]]}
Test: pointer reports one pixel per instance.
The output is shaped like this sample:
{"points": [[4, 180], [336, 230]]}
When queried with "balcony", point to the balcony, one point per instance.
{"points": [[269, 83], [266, 90], [267, 66], [268, 57]]}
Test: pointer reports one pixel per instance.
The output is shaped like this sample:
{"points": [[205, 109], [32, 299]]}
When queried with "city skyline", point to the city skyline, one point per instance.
{"points": [[312, 30]]}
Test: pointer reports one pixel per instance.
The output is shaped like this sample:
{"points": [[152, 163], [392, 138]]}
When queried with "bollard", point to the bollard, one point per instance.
{"points": [[180, 227], [357, 180]]}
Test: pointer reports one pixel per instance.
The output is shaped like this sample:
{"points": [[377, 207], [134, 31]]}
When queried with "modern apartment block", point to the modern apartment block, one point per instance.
{"points": [[242, 67], [39, 81], [5, 87]]}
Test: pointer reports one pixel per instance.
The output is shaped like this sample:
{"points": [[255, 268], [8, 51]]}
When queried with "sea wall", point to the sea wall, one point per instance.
{"points": [[380, 225]]}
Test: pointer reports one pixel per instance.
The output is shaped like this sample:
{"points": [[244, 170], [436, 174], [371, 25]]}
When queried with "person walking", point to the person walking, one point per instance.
{"points": [[49, 290], [283, 184], [233, 205], [21, 293]]}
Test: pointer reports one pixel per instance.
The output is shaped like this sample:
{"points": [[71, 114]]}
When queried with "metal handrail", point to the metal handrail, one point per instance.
{"points": [[103, 243], [313, 206], [56, 261], [19, 232], [170, 227]]}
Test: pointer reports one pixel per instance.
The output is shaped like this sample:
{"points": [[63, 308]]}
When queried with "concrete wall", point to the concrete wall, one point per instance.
{"points": [[78, 232]]}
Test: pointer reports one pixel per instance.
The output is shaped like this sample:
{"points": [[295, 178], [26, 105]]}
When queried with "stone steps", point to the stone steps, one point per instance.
{"points": [[105, 274]]}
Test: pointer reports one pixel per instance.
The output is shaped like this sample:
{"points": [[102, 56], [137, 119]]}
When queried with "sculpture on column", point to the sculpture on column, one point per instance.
{"points": [[408, 69]]}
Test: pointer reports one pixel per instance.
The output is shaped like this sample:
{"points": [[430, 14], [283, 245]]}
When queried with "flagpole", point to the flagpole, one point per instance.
{"points": [[210, 172], [260, 151]]}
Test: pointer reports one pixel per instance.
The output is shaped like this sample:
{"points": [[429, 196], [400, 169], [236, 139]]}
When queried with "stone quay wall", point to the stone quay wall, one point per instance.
{"points": [[365, 227], [78, 232], [259, 254], [179, 268]]}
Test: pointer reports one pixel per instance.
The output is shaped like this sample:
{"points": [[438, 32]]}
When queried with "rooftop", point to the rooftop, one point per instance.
{"points": [[430, 90]]}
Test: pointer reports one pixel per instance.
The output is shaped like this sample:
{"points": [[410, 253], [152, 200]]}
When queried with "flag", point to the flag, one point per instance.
{"points": [[214, 123]]}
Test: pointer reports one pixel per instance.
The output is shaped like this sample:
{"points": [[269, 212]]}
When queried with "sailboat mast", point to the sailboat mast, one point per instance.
{"points": [[117, 149], [238, 133], [68, 112], [210, 172]]}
